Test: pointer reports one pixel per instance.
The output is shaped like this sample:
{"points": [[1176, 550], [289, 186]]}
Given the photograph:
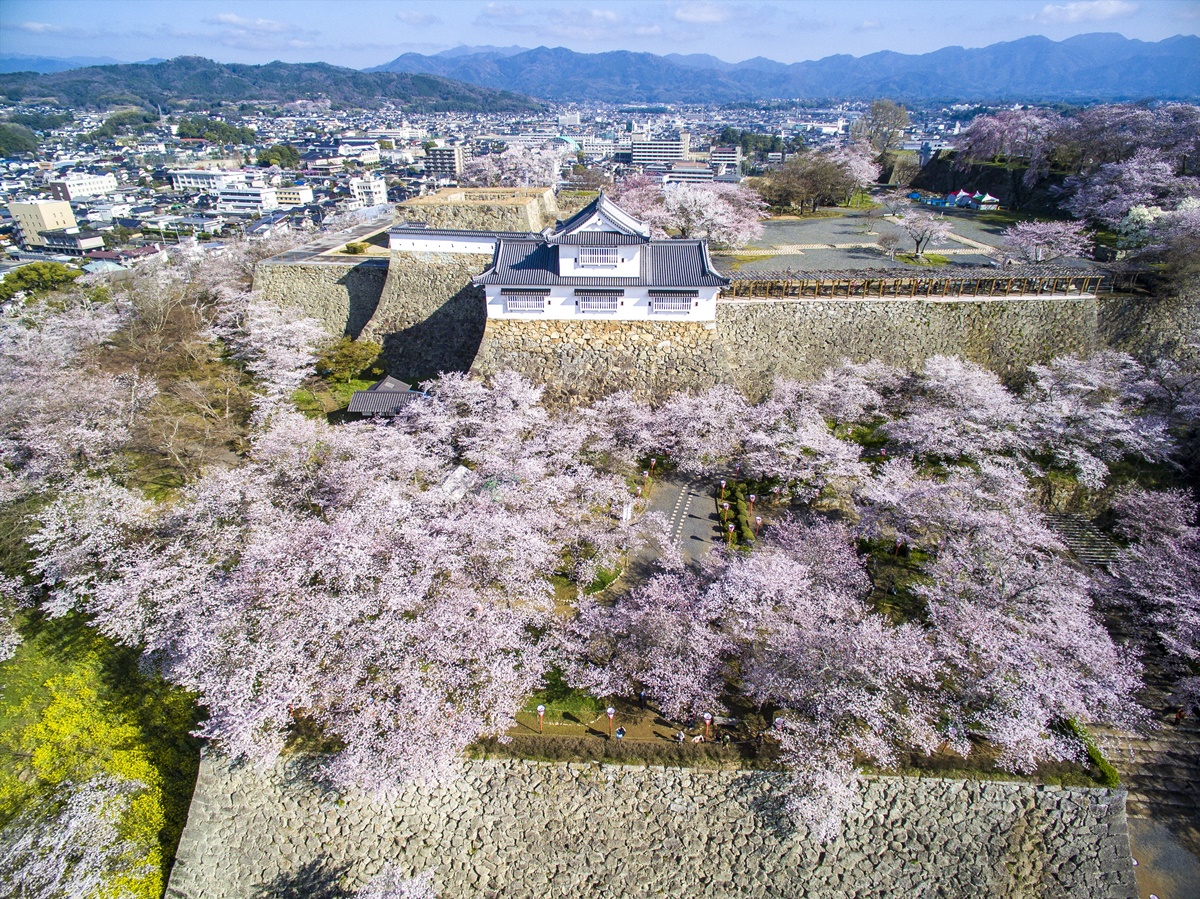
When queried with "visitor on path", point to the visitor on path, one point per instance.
{"points": [[620, 733]]}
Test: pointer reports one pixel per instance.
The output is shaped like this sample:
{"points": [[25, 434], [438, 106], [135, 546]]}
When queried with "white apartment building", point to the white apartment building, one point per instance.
{"points": [[649, 151], [367, 192], [731, 156], [205, 181], [80, 185], [247, 200], [35, 216], [444, 162], [287, 197]]}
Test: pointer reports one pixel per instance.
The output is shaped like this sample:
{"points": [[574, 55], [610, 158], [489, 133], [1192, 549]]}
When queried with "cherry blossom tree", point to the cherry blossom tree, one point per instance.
{"points": [[1085, 414], [391, 884], [1158, 578], [71, 844], [1038, 242], [334, 580], [1012, 136], [277, 345], [924, 230], [958, 410], [858, 159], [515, 167], [64, 414], [726, 214], [1106, 194]]}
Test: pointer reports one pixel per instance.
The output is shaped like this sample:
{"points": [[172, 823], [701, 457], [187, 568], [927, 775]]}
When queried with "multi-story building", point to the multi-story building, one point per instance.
{"points": [[728, 156], [687, 171], [650, 151], [247, 200], [71, 241], [444, 162], [35, 216], [205, 181], [287, 197], [367, 192], [80, 185]]}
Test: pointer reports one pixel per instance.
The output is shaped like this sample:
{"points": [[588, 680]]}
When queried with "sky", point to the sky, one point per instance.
{"points": [[362, 33]]}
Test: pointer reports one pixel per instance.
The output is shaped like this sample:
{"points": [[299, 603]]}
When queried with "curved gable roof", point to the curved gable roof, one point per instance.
{"points": [[610, 217]]}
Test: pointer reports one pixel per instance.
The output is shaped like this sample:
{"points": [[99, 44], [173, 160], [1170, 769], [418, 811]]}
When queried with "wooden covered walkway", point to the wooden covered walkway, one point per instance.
{"points": [[985, 283]]}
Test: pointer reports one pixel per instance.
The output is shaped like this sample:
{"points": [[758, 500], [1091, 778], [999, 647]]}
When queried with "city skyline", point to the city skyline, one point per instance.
{"points": [[305, 31]]}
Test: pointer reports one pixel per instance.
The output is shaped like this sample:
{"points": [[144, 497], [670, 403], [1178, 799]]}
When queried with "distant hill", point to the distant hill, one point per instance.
{"points": [[173, 83], [18, 62], [1086, 67]]}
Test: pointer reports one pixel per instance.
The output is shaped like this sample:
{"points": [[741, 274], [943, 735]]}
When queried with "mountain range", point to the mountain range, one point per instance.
{"points": [[1081, 68], [176, 82]]}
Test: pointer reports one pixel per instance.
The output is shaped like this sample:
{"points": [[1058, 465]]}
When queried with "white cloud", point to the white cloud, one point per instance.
{"points": [[869, 25], [40, 27], [1084, 11], [415, 17], [498, 13], [258, 26], [702, 13]]}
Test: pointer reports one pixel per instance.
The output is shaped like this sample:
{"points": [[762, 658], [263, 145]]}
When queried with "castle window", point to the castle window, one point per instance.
{"points": [[597, 256]]}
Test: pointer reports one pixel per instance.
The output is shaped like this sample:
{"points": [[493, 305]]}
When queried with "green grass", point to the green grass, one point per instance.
{"points": [[926, 260], [564, 703], [71, 688], [1106, 774], [741, 259], [323, 397]]}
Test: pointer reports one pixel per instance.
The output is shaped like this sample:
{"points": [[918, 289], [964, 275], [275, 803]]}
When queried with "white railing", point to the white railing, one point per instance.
{"points": [[671, 304], [598, 304], [525, 304]]}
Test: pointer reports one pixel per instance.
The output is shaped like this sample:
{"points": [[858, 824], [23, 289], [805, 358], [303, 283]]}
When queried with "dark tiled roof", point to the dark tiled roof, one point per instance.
{"points": [[420, 231], [665, 263], [598, 239], [606, 207], [381, 402]]}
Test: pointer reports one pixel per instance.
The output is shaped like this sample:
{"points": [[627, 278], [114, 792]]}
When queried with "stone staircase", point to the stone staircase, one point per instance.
{"points": [[1160, 767], [1085, 541]]}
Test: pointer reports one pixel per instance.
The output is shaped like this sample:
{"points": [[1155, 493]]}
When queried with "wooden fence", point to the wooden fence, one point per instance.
{"points": [[989, 283]]}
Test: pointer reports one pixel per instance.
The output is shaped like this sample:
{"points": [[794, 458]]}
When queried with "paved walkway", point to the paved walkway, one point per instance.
{"points": [[1161, 770]]}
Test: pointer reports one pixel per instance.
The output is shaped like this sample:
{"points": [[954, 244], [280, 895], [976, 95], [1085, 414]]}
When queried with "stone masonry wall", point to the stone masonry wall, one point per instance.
{"points": [[429, 317], [754, 341], [1150, 325], [801, 339], [518, 829], [580, 360], [476, 209], [341, 295]]}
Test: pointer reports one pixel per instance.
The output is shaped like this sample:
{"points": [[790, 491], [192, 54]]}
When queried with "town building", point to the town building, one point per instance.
{"points": [[80, 186], [33, 217], [444, 162], [296, 195], [247, 200], [644, 150], [367, 192], [686, 171], [727, 156], [71, 241], [200, 180]]}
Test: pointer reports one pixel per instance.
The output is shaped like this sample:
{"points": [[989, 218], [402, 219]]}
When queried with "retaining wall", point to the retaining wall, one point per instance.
{"points": [[526, 829], [341, 295], [429, 318]]}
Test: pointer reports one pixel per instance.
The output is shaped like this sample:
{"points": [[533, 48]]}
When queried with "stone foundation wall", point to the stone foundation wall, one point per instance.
{"points": [[524, 829], [580, 360], [1151, 326], [429, 317], [801, 339], [754, 341], [483, 210], [341, 295]]}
